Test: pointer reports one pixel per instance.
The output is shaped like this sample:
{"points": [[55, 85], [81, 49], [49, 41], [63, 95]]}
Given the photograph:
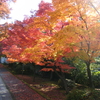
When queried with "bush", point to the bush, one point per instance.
{"points": [[12, 65], [94, 95], [96, 79], [20, 68], [69, 83], [79, 74], [84, 94], [76, 95], [81, 78]]}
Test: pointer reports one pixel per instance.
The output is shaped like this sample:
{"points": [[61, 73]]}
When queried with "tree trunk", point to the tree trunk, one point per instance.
{"points": [[34, 70], [51, 75], [62, 77], [65, 85], [23, 69], [89, 74]]}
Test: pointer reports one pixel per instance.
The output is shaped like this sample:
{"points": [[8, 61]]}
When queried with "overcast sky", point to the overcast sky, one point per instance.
{"points": [[23, 7]]}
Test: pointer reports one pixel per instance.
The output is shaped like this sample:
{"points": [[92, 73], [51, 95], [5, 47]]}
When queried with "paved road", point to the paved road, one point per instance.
{"points": [[4, 93]]}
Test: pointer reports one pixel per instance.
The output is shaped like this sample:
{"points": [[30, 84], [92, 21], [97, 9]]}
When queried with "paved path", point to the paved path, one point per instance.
{"points": [[18, 90], [4, 93]]}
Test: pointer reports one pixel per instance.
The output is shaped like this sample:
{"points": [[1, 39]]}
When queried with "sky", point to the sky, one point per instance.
{"points": [[21, 8]]}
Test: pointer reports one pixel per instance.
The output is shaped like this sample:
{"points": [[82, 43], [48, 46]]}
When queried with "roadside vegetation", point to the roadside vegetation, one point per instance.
{"points": [[77, 81]]}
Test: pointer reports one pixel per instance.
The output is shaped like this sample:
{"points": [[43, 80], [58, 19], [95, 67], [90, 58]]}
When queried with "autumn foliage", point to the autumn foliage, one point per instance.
{"points": [[4, 8], [63, 28], [4, 14]]}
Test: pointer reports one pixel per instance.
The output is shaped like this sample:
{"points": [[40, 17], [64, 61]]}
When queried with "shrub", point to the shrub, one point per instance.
{"points": [[18, 69], [69, 83], [82, 78], [83, 94], [12, 65], [96, 79], [79, 74], [23, 69], [94, 95], [76, 95]]}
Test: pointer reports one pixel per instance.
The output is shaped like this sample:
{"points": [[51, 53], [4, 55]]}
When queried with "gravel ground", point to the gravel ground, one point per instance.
{"points": [[18, 89]]}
